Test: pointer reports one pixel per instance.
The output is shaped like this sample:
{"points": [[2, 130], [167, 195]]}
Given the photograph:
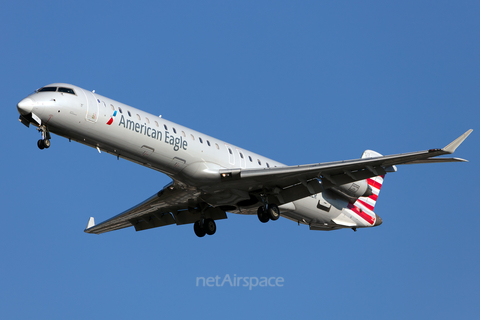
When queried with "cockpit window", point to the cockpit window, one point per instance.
{"points": [[66, 90], [44, 89]]}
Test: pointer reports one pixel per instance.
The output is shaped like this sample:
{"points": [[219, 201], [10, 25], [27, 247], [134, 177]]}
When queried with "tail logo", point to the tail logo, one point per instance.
{"points": [[363, 207]]}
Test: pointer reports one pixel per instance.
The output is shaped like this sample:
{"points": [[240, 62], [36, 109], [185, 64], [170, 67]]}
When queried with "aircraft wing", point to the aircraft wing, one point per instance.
{"points": [[178, 204], [172, 205], [304, 177]]}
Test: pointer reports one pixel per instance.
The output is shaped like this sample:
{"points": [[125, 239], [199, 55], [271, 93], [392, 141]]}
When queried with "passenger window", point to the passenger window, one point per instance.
{"points": [[268, 166], [156, 123], [129, 114], [259, 162], [241, 155], [200, 139], [113, 108], [250, 158], [148, 121], [138, 116], [193, 138], [66, 90], [174, 131], [230, 151], [120, 109], [208, 142], [165, 126], [183, 133], [218, 147]]}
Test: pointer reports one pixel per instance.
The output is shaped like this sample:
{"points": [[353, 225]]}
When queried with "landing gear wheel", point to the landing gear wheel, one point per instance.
{"points": [[262, 214], [45, 141], [273, 212], [209, 226], [40, 144], [199, 231]]}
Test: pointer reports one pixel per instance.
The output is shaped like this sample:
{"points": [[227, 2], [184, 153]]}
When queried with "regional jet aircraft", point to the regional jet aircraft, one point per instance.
{"points": [[210, 176]]}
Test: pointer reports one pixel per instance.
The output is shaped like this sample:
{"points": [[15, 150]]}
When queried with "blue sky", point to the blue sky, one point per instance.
{"points": [[299, 83]]}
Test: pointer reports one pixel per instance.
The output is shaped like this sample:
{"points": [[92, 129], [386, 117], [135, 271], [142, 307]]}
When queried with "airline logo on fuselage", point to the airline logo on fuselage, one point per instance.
{"points": [[177, 142], [113, 117]]}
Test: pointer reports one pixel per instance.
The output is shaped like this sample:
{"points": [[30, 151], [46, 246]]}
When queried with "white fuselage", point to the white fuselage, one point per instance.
{"points": [[187, 156]]}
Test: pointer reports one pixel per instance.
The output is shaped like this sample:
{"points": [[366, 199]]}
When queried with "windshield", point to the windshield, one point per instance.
{"points": [[45, 89], [54, 89]]}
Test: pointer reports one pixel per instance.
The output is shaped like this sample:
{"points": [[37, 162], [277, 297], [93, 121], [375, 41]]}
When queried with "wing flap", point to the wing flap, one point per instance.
{"points": [[153, 220], [437, 160]]}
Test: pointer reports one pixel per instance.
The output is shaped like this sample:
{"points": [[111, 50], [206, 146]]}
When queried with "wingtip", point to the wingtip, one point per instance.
{"points": [[455, 143], [91, 223]]}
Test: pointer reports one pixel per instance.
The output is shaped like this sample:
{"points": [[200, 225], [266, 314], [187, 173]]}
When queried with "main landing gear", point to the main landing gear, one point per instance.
{"points": [[45, 141], [42, 144], [204, 226], [268, 212]]}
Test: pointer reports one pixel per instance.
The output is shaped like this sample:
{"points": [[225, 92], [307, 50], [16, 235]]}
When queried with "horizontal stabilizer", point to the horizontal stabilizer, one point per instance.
{"points": [[344, 222]]}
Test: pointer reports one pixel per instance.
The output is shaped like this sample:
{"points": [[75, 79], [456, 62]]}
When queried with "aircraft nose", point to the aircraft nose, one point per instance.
{"points": [[378, 220], [25, 106]]}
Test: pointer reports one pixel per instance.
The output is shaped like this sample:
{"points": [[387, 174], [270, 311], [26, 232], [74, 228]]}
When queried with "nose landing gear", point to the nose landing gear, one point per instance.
{"points": [[42, 144], [45, 141]]}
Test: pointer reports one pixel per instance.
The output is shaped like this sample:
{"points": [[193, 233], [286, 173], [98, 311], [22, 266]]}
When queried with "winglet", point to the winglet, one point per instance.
{"points": [[91, 223], [454, 145]]}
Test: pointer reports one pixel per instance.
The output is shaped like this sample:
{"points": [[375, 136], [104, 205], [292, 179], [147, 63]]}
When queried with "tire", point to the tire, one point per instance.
{"points": [[209, 226], [199, 231], [262, 215], [273, 212], [40, 144], [46, 143]]}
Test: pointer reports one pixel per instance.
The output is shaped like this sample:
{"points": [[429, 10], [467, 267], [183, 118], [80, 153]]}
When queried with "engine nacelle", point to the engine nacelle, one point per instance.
{"points": [[354, 190]]}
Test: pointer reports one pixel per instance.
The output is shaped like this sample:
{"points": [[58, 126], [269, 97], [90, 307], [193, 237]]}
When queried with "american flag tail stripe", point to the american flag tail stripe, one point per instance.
{"points": [[364, 206]]}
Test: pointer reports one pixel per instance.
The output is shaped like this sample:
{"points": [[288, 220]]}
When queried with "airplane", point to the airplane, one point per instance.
{"points": [[211, 177]]}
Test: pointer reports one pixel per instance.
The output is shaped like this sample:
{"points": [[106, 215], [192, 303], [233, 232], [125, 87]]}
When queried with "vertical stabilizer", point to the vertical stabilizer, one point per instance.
{"points": [[369, 202], [375, 183], [364, 206]]}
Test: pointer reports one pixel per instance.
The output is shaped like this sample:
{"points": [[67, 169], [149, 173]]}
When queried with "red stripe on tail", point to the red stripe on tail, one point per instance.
{"points": [[362, 214], [366, 205], [374, 183]]}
